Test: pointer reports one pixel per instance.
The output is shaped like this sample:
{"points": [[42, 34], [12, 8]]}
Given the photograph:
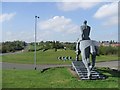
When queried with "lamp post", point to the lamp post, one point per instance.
{"points": [[36, 17]]}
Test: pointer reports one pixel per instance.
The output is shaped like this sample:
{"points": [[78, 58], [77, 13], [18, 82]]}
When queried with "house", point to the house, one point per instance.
{"points": [[115, 44], [105, 43]]}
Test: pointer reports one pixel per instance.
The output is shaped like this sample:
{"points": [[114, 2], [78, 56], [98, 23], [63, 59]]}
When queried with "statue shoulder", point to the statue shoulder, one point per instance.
{"points": [[88, 27], [84, 27]]}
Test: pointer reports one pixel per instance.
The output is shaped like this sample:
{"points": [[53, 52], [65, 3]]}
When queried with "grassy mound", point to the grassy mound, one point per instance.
{"points": [[56, 78]]}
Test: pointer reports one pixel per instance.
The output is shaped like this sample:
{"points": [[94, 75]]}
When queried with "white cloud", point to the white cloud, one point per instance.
{"points": [[44, 35], [108, 13], [59, 24], [13, 35], [20, 0], [58, 0], [87, 0], [107, 10], [111, 21], [6, 16], [56, 28], [69, 6]]}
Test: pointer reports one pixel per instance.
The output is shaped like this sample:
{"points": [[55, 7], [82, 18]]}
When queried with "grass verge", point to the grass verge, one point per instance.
{"points": [[56, 78], [49, 57]]}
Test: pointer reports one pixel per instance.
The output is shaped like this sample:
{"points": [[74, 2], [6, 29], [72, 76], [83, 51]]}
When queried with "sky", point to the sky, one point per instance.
{"points": [[59, 21]]}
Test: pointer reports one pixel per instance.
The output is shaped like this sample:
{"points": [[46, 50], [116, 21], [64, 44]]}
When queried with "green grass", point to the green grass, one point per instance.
{"points": [[0, 77], [106, 58], [0, 58], [55, 78], [48, 57]]}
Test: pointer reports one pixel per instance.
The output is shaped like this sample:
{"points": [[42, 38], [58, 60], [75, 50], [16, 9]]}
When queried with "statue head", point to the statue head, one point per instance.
{"points": [[85, 22]]}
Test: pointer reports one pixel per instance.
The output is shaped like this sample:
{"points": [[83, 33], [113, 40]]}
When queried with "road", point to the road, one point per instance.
{"points": [[17, 52], [5, 65], [28, 66], [110, 64]]}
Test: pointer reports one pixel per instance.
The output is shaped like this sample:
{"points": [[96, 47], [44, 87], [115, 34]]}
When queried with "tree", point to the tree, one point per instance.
{"points": [[12, 46]]}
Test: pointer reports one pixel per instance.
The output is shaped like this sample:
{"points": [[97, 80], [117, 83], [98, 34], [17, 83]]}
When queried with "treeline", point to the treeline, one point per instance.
{"points": [[6, 47], [9, 46], [109, 50], [52, 45], [103, 50], [110, 42]]}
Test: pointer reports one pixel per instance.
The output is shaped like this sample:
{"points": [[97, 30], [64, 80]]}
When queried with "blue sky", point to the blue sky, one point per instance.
{"points": [[58, 20]]}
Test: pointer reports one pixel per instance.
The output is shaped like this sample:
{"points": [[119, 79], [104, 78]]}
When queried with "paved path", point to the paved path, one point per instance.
{"points": [[110, 64], [17, 52], [5, 65]]}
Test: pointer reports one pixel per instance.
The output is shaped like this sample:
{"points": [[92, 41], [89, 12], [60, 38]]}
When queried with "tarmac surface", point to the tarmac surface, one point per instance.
{"points": [[5, 65]]}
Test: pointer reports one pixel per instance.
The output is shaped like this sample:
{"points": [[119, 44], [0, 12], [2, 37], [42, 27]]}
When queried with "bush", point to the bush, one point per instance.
{"points": [[12, 46], [108, 50]]}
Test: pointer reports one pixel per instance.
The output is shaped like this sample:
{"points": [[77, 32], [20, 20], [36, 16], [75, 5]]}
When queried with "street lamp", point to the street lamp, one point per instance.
{"points": [[36, 17]]}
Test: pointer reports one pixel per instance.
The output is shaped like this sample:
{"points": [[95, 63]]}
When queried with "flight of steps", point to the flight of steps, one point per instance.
{"points": [[81, 70]]}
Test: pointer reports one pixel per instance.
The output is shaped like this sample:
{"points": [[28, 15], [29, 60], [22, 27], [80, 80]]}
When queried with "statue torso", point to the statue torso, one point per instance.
{"points": [[85, 31]]}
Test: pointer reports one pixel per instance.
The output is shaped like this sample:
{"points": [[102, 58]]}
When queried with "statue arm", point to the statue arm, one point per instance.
{"points": [[89, 29]]}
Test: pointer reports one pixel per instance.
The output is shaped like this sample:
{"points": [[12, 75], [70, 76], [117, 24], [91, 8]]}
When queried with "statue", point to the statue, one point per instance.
{"points": [[85, 46], [84, 35]]}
